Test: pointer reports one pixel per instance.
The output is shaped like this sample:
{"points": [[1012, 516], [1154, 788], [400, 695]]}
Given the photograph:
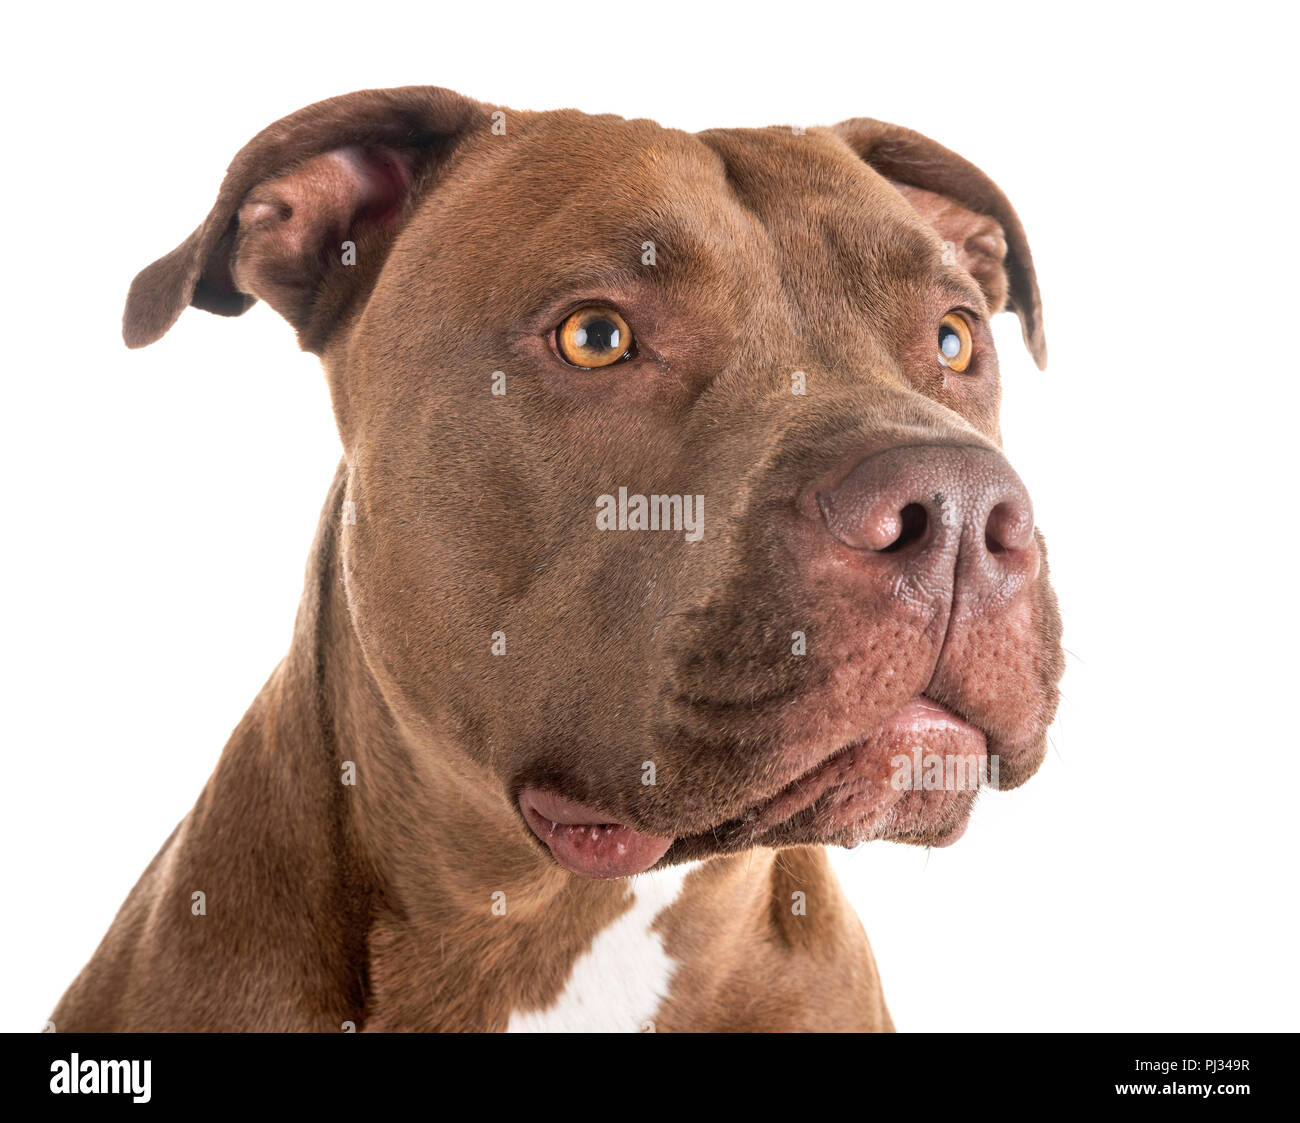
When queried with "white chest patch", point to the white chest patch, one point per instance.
{"points": [[617, 984]]}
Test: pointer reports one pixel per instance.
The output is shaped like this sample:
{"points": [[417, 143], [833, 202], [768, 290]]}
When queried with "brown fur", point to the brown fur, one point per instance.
{"points": [[777, 252]]}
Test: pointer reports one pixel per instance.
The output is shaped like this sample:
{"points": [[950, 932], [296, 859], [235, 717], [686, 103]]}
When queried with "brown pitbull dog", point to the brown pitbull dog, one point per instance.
{"points": [[671, 530]]}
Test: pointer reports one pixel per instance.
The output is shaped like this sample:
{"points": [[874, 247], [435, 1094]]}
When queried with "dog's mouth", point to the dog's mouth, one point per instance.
{"points": [[585, 841], [913, 777]]}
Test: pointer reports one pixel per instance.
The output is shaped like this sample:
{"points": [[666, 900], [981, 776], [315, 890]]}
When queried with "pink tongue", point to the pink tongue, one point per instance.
{"points": [[585, 842]]}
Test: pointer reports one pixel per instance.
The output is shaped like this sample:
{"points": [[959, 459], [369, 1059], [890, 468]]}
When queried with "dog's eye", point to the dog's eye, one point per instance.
{"points": [[593, 337], [955, 346]]}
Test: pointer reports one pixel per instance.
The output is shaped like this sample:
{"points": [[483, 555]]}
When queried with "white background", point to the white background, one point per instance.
{"points": [[159, 504]]}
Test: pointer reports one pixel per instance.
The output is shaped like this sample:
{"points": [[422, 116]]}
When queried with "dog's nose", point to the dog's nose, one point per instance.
{"points": [[943, 516]]}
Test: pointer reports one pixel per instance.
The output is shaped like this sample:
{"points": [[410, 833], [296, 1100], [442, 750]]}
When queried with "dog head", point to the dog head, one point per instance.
{"points": [[675, 499]]}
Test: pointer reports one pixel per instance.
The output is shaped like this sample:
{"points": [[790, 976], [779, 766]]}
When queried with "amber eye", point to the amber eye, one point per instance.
{"points": [[955, 346], [593, 337]]}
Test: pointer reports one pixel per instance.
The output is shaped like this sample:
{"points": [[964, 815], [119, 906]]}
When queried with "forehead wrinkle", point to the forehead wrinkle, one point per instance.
{"points": [[849, 248], [810, 182], [768, 186], [660, 192], [573, 254], [960, 288]]}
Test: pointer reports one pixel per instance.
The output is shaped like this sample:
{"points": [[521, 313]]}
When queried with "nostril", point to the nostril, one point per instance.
{"points": [[952, 522], [912, 524], [1009, 528]]}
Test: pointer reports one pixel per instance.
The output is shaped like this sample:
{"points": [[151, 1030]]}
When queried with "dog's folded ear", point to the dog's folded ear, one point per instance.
{"points": [[306, 212], [966, 208]]}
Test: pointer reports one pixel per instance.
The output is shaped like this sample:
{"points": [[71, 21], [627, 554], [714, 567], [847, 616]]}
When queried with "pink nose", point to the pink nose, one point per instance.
{"points": [[957, 521]]}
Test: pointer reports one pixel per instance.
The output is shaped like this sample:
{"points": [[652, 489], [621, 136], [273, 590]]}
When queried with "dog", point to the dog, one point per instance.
{"points": [[672, 529]]}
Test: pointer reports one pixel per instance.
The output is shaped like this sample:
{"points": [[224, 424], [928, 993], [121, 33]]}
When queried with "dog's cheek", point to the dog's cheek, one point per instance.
{"points": [[387, 561], [1047, 617], [1015, 676], [439, 556], [977, 399]]}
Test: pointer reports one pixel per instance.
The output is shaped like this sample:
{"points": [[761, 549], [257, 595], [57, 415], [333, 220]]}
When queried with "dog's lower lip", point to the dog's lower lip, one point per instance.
{"points": [[919, 720], [925, 713], [585, 840], [919, 716]]}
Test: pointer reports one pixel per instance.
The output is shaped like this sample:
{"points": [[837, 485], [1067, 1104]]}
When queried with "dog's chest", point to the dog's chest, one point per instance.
{"points": [[616, 986]]}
